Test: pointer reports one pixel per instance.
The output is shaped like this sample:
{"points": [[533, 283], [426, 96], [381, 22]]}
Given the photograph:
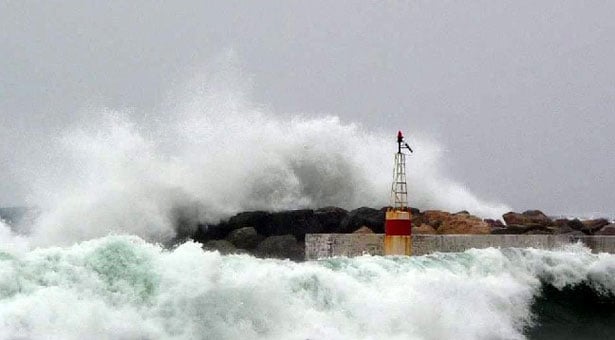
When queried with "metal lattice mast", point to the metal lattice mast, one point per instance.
{"points": [[399, 187]]}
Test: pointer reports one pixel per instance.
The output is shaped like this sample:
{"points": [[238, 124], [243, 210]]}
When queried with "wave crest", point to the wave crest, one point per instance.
{"points": [[188, 293]]}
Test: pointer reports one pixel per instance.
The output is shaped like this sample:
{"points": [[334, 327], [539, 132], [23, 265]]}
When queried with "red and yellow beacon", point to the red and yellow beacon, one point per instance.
{"points": [[397, 225]]}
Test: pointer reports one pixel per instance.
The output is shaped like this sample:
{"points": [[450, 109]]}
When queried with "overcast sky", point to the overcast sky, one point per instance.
{"points": [[520, 94]]}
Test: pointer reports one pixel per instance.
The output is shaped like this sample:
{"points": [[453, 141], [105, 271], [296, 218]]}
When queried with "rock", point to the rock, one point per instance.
{"points": [[460, 223], [494, 223], [526, 218], [592, 226], [499, 231], [372, 218], [423, 229], [512, 229], [258, 220], [245, 238], [565, 229], [223, 246], [561, 222], [330, 218], [414, 211], [608, 229], [435, 218], [463, 212], [281, 246], [569, 227], [576, 224], [416, 218], [295, 222], [539, 231], [363, 230], [206, 232], [464, 224]]}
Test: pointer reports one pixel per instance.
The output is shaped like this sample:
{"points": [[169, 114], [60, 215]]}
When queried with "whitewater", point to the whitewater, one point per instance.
{"points": [[207, 153], [122, 287]]}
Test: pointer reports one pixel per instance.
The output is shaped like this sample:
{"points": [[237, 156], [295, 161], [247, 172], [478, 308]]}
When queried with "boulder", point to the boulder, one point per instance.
{"points": [[363, 230], [330, 218], [282, 247], [494, 223], [561, 222], [592, 226], [460, 223], [435, 218], [608, 229], [245, 238], [372, 218], [416, 217], [464, 224], [206, 232], [576, 224], [566, 229], [423, 229], [414, 211], [526, 218], [295, 222], [223, 246], [258, 220]]}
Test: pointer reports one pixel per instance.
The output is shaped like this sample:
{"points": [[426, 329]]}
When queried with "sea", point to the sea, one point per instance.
{"points": [[123, 287]]}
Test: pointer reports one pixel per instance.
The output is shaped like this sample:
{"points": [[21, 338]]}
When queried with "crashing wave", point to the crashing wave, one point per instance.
{"points": [[134, 289]]}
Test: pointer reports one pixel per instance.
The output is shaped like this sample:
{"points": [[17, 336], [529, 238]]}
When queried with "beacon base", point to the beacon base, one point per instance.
{"points": [[398, 245]]}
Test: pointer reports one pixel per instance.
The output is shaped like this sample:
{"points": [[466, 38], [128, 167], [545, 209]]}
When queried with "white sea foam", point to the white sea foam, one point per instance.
{"points": [[11, 241], [123, 287]]}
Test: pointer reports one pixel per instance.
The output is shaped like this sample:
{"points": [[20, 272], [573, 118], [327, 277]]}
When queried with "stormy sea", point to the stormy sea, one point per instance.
{"points": [[116, 195], [122, 287]]}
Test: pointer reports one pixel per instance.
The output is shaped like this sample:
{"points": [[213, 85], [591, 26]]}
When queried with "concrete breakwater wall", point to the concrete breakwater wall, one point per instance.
{"points": [[329, 245]]}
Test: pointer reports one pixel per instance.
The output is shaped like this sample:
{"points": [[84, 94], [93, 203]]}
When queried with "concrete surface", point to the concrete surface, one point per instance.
{"points": [[329, 245]]}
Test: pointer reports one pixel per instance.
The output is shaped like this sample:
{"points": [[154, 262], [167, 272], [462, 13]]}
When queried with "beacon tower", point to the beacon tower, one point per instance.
{"points": [[397, 225]]}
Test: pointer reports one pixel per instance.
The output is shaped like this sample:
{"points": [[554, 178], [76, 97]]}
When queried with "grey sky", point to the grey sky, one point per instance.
{"points": [[521, 94]]}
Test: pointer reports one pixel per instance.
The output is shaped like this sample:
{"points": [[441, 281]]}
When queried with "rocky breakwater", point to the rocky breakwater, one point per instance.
{"points": [[442, 222], [282, 234], [536, 222], [530, 222], [270, 234]]}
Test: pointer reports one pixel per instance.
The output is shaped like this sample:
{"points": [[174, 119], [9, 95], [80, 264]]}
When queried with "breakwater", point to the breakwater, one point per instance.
{"points": [[282, 234], [330, 245]]}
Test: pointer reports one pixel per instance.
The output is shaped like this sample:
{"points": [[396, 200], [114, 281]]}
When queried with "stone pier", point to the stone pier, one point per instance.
{"points": [[329, 245]]}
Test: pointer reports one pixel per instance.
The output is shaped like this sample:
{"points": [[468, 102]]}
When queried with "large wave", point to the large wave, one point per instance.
{"points": [[209, 153], [121, 287]]}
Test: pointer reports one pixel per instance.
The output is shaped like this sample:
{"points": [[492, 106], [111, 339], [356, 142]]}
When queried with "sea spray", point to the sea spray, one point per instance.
{"points": [[124, 287], [10, 240], [214, 154]]}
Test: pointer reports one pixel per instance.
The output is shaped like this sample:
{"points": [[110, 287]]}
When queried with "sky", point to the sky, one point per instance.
{"points": [[520, 95]]}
